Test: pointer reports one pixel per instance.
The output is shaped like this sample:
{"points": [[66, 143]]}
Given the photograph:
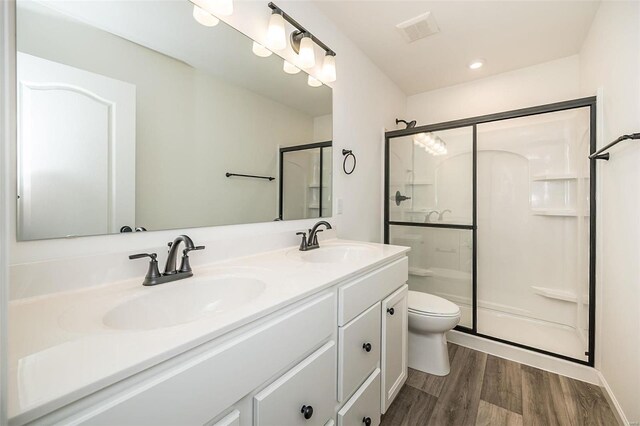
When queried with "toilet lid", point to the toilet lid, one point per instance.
{"points": [[426, 303]]}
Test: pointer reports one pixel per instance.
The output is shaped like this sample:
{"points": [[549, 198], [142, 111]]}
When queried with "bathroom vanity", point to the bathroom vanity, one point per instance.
{"points": [[279, 338]]}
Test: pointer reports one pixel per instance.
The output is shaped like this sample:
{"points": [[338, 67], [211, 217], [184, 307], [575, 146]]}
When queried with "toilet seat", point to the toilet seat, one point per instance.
{"points": [[430, 305]]}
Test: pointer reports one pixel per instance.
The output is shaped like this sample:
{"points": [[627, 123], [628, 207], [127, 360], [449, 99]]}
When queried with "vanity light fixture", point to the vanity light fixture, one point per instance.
{"points": [[313, 82], [203, 17], [260, 50], [477, 64], [302, 42], [276, 36], [306, 54], [329, 67], [289, 68]]}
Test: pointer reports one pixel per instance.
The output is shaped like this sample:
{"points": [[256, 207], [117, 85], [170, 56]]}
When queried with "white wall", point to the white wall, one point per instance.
{"points": [[536, 85], [610, 59], [365, 101]]}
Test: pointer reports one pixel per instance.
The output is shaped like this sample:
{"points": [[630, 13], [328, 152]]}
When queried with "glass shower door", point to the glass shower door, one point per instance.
{"points": [[533, 231], [430, 209]]}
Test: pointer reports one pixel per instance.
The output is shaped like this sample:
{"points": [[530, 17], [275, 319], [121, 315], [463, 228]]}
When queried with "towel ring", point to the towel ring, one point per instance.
{"points": [[348, 153]]}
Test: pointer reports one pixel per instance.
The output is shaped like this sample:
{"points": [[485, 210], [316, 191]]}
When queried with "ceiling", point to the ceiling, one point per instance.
{"points": [[506, 34]]}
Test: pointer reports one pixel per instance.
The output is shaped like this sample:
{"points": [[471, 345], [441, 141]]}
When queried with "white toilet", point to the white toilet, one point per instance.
{"points": [[430, 317]]}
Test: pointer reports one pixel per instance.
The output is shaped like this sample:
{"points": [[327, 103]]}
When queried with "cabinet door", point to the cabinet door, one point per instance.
{"points": [[394, 345], [305, 395], [359, 351]]}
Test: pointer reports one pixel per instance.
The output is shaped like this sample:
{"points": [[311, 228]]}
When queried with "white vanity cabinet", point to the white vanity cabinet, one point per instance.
{"points": [[335, 357]]}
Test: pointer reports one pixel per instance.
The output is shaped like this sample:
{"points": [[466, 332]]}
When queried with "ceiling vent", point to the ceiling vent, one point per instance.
{"points": [[419, 27]]}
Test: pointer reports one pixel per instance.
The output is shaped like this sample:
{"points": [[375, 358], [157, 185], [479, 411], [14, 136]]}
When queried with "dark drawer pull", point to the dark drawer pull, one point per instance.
{"points": [[391, 311], [307, 411], [366, 421], [367, 347]]}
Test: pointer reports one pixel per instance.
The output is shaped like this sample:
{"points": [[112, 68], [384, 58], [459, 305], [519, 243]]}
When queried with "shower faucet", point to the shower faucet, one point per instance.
{"points": [[427, 218], [441, 215]]}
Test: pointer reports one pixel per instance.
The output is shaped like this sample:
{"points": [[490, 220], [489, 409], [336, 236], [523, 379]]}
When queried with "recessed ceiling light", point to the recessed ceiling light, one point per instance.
{"points": [[476, 64]]}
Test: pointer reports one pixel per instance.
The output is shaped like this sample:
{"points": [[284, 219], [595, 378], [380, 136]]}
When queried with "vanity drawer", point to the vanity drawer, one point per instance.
{"points": [[365, 404], [310, 384], [358, 295], [192, 389], [355, 363]]}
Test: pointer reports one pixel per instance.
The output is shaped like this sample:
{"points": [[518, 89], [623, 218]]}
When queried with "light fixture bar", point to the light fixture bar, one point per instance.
{"points": [[302, 29]]}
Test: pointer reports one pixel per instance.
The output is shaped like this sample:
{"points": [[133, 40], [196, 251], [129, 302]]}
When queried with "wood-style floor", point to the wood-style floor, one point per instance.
{"points": [[486, 390]]}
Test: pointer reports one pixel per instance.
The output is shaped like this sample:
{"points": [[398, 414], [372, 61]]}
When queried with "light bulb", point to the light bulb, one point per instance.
{"points": [[289, 68], [260, 50], [329, 68], [306, 54], [203, 17], [276, 38], [313, 82]]}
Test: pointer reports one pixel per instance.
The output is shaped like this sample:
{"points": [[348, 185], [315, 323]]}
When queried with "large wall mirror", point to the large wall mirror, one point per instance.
{"points": [[133, 115]]}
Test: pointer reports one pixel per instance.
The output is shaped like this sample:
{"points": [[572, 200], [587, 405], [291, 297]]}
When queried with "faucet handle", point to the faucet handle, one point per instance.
{"points": [[152, 273], [185, 266], [153, 256], [303, 243]]}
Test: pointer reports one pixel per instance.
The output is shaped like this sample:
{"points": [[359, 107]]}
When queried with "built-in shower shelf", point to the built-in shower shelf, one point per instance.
{"points": [[564, 295], [559, 176], [554, 212], [552, 293], [418, 183], [420, 272]]}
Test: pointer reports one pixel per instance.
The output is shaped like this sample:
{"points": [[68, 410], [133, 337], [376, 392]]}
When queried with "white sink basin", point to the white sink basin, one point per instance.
{"points": [[338, 254], [183, 302]]}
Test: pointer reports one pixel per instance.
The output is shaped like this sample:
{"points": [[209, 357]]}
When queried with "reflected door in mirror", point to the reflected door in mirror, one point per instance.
{"points": [[76, 158]]}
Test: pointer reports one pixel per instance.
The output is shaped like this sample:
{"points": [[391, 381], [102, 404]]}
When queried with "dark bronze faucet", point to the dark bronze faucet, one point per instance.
{"points": [[311, 242], [154, 277]]}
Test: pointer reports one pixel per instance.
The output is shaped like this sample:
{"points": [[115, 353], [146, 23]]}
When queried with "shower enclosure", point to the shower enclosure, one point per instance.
{"points": [[499, 213]]}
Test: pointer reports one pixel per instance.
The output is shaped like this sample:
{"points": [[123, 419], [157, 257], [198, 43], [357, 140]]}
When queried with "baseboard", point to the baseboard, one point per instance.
{"points": [[524, 356], [613, 402]]}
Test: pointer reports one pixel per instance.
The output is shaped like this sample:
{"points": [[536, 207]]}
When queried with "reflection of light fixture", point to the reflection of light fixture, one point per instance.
{"points": [[476, 64], [276, 38], [431, 143], [329, 67], [260, 50], [203, 17], [313, 82], [302, 43], [306, 55], [289, 68]]}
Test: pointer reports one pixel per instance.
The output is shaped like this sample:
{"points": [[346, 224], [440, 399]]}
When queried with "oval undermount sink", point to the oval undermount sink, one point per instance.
{"points": [[338, 254], [183, 302]]}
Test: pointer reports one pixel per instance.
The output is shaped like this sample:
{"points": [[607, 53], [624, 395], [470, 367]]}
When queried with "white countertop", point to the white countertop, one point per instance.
{"points": [[60, 349]]}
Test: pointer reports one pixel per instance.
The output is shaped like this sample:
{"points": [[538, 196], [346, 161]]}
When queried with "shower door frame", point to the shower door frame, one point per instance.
{"points": [[473, 122]]}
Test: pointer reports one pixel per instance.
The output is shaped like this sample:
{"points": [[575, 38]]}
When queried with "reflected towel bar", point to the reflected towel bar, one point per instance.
{"points": [[270, 178], [602, 155]]}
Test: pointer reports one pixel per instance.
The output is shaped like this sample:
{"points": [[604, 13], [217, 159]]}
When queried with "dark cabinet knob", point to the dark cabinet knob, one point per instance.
{"points": [[366, 421], [391, 311], [367, 347], [307, 411]]}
